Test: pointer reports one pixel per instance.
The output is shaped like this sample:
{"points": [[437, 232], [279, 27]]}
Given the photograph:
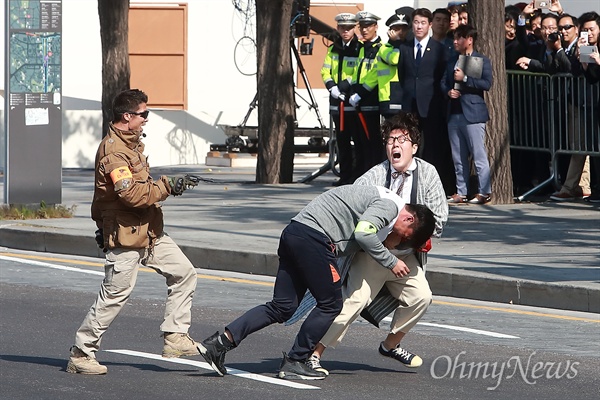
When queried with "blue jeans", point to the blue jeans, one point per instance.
{"points": [[468, 139]]}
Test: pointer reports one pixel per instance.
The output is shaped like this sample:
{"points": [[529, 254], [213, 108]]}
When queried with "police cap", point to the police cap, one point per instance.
{"points": [[346, 19], [367, 18], [396, 20]]}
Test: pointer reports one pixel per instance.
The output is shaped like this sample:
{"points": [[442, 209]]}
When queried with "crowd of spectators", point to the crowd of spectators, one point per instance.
{"points": [[406, 73]]}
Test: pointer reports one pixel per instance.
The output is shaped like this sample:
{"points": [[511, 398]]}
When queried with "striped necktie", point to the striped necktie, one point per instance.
{"points": [[405, 176]]}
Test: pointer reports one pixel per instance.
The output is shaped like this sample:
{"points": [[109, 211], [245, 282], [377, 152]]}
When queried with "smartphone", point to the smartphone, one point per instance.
{"points": [[584, 35], [542, 4]]}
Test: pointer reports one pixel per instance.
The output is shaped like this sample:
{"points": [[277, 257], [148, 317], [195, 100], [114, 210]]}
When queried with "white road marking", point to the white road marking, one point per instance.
{"points": [[464, 329], [241, 373], [54, 266], [230, 371]]}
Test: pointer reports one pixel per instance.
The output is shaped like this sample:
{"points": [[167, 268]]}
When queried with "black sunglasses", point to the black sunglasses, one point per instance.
{"points": [[565, 27], [143, 114]]}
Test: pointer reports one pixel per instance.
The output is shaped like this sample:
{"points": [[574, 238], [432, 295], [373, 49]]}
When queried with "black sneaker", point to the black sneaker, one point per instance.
{"points": [[297, 370], [213, 350], [593, 198], [407, 358]]}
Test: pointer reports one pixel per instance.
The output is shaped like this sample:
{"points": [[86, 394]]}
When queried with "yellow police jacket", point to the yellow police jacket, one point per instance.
{"points": [[389, 87]]}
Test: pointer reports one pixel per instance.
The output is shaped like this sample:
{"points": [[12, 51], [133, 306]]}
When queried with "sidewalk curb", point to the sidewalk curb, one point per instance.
{"points": [[443, 282]]}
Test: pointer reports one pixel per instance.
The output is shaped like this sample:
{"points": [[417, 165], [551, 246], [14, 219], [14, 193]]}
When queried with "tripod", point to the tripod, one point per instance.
{"points": [[332, 144], [312, 105]]}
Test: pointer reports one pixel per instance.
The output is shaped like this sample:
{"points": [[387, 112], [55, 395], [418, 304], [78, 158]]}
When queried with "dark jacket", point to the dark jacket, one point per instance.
{"points": [[471, 100], [423, 83]]}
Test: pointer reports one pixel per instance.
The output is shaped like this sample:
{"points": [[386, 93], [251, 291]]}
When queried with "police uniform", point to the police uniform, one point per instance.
{"points": [[365, 83], [337, 72], [389, 87]]}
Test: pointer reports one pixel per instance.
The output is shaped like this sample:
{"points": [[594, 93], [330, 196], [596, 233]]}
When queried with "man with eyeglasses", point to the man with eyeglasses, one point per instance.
{"points": [[577, 179], [539, 57], [127, 211], [367, 284]]}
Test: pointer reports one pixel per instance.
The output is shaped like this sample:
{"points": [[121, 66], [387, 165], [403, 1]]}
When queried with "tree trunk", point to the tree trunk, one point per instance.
{"points": [[275, 87], [488, 18], [114, 33]]}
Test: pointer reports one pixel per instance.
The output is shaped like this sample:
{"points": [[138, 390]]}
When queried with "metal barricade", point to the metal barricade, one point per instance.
{"points": [[529, 111], [554, 114]]}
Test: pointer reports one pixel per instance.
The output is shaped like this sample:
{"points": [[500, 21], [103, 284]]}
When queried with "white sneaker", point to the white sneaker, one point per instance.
{"points": [[314, 363]]}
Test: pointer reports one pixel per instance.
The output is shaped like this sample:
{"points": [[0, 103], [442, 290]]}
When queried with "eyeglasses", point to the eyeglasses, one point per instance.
{"points": [[143, 114], [401, 139], [565, 27]]}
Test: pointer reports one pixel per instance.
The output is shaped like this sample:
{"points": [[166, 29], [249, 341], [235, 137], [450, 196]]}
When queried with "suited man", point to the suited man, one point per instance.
{"points": [[422, 63], [467, 115]]}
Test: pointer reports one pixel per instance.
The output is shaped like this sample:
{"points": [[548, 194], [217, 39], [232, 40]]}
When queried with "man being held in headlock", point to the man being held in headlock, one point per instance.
{"points": [[416, 182], [341, 221]]}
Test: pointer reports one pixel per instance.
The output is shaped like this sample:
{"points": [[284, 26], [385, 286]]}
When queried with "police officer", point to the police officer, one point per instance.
{"points": [[127, 212], [389, 87], [365, 95], [338, 69]]}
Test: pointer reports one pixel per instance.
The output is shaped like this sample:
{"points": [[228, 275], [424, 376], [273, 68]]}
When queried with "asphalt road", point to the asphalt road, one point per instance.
{"points": [[472, 350]]}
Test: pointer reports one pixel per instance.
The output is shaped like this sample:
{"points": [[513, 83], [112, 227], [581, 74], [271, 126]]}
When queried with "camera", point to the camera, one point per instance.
{"points": [[553, 37]]}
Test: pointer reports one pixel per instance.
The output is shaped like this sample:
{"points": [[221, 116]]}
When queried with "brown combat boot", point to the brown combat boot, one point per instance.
{"points": [[81, 363], [179, 344]]}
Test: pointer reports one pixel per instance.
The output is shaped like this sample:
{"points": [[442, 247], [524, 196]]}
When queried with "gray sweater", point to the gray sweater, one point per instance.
{"points": [[337, 212]]}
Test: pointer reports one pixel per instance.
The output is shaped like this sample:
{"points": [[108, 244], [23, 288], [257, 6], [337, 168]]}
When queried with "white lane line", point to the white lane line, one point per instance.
{"points": [[230, 371], [387, 319], [54, 266], [464, 329]]}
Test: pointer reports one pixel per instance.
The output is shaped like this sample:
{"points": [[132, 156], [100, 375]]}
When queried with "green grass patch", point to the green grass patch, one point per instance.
{"points": [[43, 211]]}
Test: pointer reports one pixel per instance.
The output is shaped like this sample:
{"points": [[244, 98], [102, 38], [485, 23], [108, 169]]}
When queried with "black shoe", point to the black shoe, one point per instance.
{"points": [[593, 198], [297, 370], [407, 358], [213, 350]]}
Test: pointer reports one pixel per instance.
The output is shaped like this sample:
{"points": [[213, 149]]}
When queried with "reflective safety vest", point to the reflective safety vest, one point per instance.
{"points": [[365, 79], [389, 87], [339, 67]]}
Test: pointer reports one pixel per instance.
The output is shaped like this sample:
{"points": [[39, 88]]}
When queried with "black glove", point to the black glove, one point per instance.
{"points": [[180, 183], [100, 239], [176, 183]]}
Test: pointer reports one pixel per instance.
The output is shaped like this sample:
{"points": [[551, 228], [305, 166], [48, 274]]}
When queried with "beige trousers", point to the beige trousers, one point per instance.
{"points": [[365, 278], [577, 180], [121, 269]]}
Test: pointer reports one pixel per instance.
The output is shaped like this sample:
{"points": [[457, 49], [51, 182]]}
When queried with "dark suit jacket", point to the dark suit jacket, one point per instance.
{"points": [[471, 99], [422, 84]]}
